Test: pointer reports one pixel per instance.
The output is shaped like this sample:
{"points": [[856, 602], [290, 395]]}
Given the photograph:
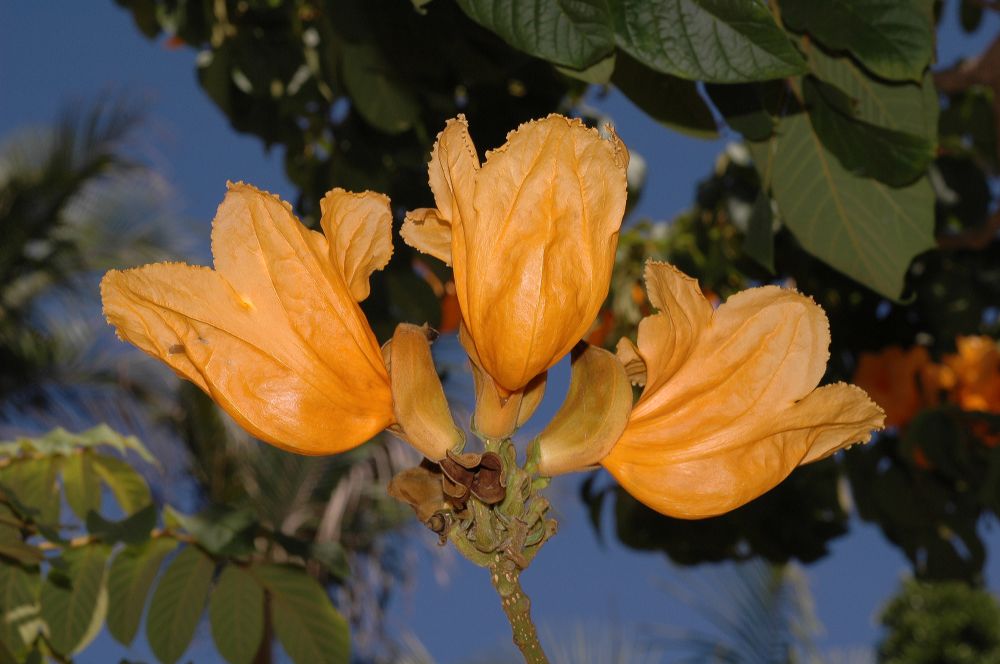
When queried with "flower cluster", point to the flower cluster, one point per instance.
{"points": [[905, 381], [275, 335]]}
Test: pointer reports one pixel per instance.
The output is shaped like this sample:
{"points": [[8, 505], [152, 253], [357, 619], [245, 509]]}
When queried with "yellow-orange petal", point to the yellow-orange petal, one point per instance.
{"points": [[732, 409], [426, 231], [452, 172], [666, 339], [743, 462], [532, 266], [358, 228], [274, 334], [763, 348]]}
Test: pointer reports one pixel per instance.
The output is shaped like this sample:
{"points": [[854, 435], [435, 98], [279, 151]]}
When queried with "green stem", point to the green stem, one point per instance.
{"points": [[517, 607]]}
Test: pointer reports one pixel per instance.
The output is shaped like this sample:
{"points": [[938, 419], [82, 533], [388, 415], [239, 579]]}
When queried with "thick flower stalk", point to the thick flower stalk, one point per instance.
{"points": [[275, 336]]}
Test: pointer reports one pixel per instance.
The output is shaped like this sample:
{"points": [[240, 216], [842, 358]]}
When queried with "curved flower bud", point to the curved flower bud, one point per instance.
{"points": [[499, 415], [418, 398], [730, 406], [531, 234], [274, 333], [593, 416]]}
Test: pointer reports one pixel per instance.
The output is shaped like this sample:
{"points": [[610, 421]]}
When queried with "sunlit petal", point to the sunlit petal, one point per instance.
{"points": [[273, 334]]}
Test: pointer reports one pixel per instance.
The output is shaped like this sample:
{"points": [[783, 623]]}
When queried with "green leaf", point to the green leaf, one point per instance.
{"points": [[178, 602], [598, 73], [19, 606], [894, 157], [82, 484], [132, 529], [33, 481], [893, 39], [750, 108], [759, 243], [707, 40], [219, 529], [127, 485], [71, 598], [236, 612], [129, 581], [6, 654], [861, 227], [61, 442], [907, 107], [669, 100], [21, 552], [572, 33], [383, 101], [310, 629]]}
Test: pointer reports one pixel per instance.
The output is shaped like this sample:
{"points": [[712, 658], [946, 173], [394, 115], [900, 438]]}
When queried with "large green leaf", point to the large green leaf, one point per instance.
{"points": [[907, 107], [71, 597], [236, 612], [310, 629], [384, 101], [894, 157], [82, 484], [133, 529], [860, 226], [34, 484], [720, 41], [129, 580], [894, 39], [19, 607], [220, 530], [178, 602], [667, 99], [573, 33], [128, 486]]}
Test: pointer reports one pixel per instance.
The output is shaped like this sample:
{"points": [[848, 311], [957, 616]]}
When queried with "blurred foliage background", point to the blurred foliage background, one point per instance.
{"points": [[860, 173]]}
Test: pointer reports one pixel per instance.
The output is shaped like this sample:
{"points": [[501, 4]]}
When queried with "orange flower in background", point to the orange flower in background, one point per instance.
{"points": [[531, 234], [274, 333], [975, 373], [730, 405], [901, 381]]}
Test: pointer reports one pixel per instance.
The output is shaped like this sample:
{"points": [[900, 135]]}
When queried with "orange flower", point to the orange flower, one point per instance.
{"points": [[274, 333], [531, 234], [902, 381], [976, 372], [730, 405]]}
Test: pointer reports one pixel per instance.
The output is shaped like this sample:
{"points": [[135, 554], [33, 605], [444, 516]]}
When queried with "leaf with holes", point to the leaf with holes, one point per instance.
{"points": [[129, 580], [867, 230], [178, 602], [236, 613], [310, 629], [716, 41]]}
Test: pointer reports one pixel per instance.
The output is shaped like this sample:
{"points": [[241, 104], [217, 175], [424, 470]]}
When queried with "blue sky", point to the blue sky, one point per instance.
{"points": [[53, 53]]}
